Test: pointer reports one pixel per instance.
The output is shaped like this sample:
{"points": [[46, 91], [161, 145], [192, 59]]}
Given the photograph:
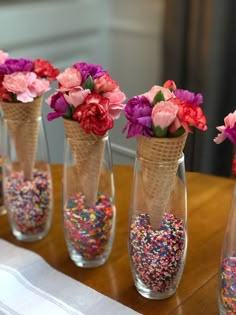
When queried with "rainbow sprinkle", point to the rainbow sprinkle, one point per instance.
{"points": [[228, 284], [157, 255], [88, 229], [29, 202]]}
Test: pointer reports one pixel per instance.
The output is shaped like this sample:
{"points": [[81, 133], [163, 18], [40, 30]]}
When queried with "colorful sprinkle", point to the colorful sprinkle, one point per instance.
{"points": [[29, 202], [157, 255], [88, 229], [228, 284]]}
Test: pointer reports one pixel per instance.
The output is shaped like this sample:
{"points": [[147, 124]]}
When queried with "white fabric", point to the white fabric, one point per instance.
{"points": [[29, 286]]}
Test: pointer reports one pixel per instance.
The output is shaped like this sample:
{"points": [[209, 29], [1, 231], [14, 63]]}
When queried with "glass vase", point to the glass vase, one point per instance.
{"points": [[27, 179], [158, 227], [2, 206], [227, 272], [89, 211]]}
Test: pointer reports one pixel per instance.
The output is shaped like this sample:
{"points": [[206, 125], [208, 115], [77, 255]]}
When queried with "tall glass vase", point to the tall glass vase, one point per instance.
{"points": [[158, 227], [27, 179], [2, 206], [88, 199], [227, 272]]}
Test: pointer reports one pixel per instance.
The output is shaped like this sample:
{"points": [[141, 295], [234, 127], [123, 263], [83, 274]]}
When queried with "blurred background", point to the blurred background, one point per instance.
{"points": [[141, 43]]}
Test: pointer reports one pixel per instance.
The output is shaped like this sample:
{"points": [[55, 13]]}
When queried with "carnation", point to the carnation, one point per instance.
{"points": [[164, 111], [24, 79], [228, 130], [88, 95]]}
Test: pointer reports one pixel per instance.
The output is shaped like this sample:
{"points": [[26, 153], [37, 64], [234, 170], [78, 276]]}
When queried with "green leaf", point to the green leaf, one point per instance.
{"points": [[14, 99], [72, 109], [68, 113], [177, 133], [158, 98], [159, 132], [89, 84]]}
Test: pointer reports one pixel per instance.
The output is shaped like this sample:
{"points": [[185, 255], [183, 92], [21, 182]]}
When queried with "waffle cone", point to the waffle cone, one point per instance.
{"points": [[159, 163], [87, 151], [22, 123]]}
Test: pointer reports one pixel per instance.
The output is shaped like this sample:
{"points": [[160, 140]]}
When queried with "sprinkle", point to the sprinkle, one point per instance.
{"points": [[228, 283], [89, 229], [29, 202], [157, 255]]}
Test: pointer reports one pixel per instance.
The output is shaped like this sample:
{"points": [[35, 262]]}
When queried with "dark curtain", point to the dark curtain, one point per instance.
{"points": [[200, 55]]}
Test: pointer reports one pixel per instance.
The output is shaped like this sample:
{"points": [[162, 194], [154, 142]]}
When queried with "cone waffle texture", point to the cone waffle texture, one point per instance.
{"points": [[87, 151], [159, 163], [23, 124]]}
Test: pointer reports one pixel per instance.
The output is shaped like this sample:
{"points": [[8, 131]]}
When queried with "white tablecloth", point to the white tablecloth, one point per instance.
{"points": [[29, 286]]}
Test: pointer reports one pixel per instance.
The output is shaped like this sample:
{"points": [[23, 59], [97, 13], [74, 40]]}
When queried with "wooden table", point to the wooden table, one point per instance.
{"points": [[209, 199]]}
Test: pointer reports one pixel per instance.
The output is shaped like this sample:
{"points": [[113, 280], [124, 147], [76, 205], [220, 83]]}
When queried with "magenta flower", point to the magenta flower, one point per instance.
{"points": [[58, 103], [16, 65], [228, 130], [138, 111], [93, 70], [189, 97]]}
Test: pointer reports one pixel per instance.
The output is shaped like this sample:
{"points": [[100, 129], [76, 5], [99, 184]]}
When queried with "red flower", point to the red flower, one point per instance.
{"points": [[190, 115], [93, 115], [4, 94], [44, 69]]}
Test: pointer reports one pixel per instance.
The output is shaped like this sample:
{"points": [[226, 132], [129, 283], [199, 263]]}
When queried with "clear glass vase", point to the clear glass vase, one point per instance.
{"points": [[27, 182], [227, 272], [2, 206], [158, 227], [89, 212]]}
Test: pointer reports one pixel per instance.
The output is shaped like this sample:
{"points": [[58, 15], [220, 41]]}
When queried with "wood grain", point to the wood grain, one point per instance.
{"points": [[209, 200]]}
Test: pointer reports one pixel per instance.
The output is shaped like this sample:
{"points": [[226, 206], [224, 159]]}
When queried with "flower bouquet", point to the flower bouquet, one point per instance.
{"points": [[160, 120], [227, 272], [22, 84], [27, 177], [89, 101]]}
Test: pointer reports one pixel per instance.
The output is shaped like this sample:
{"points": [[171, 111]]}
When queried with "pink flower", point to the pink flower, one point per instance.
{"points": [[115, 103], [25, 85], [230, 120], [221, 136], [163, 114], [3, 56], [16, 82], [105, 84], [155, 89], [69, 79], [76, 96], [39, 86], [228, 130]]}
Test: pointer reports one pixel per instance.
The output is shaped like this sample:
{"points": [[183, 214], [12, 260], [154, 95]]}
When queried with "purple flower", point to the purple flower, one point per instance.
{"points": [[16, 65], [138, 111], [189, 97], [86, 69], [59, 104], [230, 133]]}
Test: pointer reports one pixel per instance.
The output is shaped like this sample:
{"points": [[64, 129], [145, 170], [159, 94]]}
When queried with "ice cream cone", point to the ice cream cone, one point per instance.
{"points": [[159, 162], [23, 124], [87, 151]]}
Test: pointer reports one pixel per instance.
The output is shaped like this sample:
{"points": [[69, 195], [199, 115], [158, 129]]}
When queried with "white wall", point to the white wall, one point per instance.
{"points": [[124, 36]]}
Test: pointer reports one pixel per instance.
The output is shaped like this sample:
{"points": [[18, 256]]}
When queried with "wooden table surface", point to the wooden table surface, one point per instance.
{"points": [[209, 199]]}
